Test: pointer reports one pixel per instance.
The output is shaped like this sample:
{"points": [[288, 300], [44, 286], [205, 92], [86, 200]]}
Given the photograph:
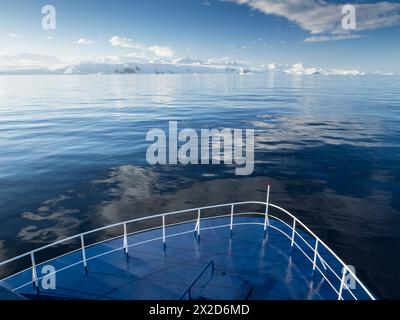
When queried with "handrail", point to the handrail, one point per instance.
{"points": [[318, 240], [123, 222], [197, 212], [127, 222], [189, 289]]}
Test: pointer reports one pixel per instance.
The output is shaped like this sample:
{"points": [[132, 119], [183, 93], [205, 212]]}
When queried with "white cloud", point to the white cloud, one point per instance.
{"points": [[140, 49], [321, 17], [162, 52], [13, 35], [27, 60], [85, 42], [222, 61], [118, 41], [332, 38]]}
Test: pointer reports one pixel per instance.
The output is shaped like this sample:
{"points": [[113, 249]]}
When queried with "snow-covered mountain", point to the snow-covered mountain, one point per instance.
{"points": [[41, 64], [299, 69], [147, 68], [27, 63]]}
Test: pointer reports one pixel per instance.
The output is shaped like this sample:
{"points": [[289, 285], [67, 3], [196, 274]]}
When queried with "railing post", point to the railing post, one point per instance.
{"points": [[293, 233], [342, 283], [83, 253], [163, 231], [125, 240], [266, 220], [232, 211], [35, 280], [198, 224], [315, 255]]}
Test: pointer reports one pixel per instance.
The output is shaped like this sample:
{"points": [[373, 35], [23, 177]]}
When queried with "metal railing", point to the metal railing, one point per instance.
{"points": [[295, 234], [188, 291]]}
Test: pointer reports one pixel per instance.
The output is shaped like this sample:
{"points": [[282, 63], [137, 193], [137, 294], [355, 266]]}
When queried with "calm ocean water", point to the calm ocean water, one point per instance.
{"points": [[73, 156]]}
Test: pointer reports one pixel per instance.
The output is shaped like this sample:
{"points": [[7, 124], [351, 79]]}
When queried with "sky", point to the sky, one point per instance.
{"points": [[256, 31]]}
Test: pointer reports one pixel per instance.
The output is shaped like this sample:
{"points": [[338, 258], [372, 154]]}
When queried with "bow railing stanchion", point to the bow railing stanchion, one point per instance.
{"points": [[231, 223], [163, 231], [342, 283], [198, 223], [83, 253], [266, 218], [35, 280], [125, 240], [315, 255], [293, 234]]}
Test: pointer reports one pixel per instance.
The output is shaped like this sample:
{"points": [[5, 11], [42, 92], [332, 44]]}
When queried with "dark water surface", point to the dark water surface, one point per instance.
{"points": [[73, 156]]}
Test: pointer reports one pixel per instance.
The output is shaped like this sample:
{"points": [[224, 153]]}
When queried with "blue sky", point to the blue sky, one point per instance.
{"points": [[259, 31]]}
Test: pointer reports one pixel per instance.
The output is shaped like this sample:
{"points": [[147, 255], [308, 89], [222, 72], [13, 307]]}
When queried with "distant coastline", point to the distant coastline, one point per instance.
{"points": [[35, 64]]}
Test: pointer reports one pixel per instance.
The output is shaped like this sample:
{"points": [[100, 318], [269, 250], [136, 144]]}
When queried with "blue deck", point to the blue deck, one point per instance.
{"points": [[247, 266]]}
